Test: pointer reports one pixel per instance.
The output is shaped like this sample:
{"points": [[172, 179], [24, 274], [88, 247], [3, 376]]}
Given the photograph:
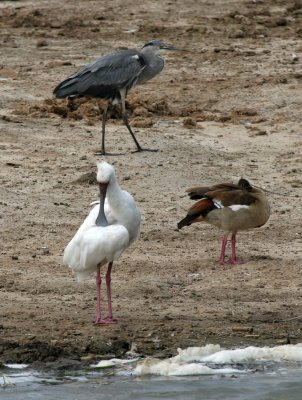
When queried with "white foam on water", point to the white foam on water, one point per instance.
{"points": [[152, 366], [114, 362], [253, 354], [13, 379], [215, 354], [200, 360], [16, 366]]}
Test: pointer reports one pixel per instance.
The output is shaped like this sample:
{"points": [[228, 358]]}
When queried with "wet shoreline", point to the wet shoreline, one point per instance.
{"points": [[43, 355], [242, 373]]}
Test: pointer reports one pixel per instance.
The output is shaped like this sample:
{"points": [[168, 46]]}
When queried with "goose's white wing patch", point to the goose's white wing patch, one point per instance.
{"points": [[217, 203], [237, 207]]}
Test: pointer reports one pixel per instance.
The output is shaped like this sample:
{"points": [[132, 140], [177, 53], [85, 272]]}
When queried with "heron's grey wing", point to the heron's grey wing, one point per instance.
{"points": [[106, 75], [114, 71]]}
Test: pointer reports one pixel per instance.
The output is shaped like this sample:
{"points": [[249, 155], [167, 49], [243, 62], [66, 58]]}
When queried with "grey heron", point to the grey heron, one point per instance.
{"points": [[112, 76]]}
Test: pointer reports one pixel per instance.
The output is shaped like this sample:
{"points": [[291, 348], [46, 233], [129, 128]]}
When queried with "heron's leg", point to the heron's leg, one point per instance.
{"points": [[233, 259], [70, 103], [98, 281], [104, 119], [126, 122], [223, 247]]}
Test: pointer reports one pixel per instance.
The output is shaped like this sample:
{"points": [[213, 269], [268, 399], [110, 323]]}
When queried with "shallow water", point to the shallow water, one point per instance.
{"points": [[263, 387], [240, 374]]}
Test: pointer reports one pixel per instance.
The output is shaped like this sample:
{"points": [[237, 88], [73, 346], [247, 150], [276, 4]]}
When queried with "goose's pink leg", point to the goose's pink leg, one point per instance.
{"points": [[233, 259], [223, 246]]}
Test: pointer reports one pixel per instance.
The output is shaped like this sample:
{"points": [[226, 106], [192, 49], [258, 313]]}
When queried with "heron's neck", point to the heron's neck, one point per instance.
{"points": [[154, 64], [150, 53]]}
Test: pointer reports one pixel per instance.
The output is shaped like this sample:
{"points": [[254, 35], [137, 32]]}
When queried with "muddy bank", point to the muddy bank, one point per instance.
{"points": [[227, 108]]}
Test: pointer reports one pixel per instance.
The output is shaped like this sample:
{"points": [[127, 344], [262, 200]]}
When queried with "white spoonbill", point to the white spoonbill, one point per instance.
{"points": [[111, 226]]}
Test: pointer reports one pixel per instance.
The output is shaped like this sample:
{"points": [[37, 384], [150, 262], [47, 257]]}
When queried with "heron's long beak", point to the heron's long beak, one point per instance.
{"points": [[166, 46]]}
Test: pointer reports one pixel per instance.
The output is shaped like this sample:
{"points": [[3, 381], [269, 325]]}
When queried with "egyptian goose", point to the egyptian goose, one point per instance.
{"points": [[106, 232], [230, 207]]}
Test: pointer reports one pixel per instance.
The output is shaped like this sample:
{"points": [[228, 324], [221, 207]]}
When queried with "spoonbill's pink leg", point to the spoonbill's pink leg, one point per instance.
{"points": [[110, 318], [98, 281], [223, 246]]}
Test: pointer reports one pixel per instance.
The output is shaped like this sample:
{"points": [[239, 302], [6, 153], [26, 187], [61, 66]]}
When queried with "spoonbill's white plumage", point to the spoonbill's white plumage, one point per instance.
{"points": [[111, 226]]}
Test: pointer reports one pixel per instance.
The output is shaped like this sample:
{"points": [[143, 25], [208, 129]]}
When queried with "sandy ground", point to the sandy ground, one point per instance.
{"points": [[227, 108]]}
